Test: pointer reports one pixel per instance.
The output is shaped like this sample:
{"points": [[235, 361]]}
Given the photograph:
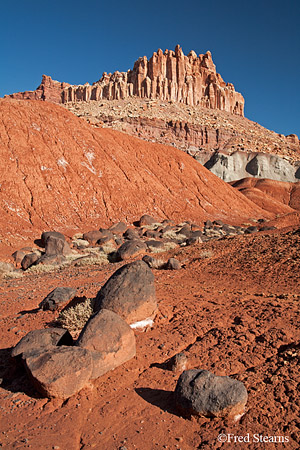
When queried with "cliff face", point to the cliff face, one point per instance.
{"points": [[169, 75]]}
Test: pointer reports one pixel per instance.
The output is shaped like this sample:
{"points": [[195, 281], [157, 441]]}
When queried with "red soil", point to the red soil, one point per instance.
{"points": [[233, 309], [283, 192]]}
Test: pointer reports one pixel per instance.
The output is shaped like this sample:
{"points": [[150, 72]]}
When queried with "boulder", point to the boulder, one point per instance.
{"points": [[118, 228], [155, 245], [29, 260], [46, 234], [129, 292], [131, 234], [56, 246], [251, 229], [151, 234], [185, 230], [201, 393], [58, 298], [93, 236], [60, 371], [110, 340], [18, 256], [194, 240], [153, 263], [42, 339], [130, 249], [173, 264], [146, 220]]}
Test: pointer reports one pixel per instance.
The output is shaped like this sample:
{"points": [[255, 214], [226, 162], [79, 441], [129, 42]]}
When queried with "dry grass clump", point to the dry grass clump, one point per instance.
{"points": [[157, 263], [171, 234], [92, 260], [45, 268], [11, 275], [153, 226], [78, 242], [75, 317]]}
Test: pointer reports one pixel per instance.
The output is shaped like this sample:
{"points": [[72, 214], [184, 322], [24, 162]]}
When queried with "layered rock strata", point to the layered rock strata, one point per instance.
{"points": [[168, 75]]}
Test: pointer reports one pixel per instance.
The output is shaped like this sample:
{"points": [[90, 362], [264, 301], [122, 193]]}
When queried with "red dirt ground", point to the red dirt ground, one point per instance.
{"points": [[233, 308]]}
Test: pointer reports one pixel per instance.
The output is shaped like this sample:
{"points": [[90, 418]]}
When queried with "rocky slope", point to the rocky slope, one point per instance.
{"points": [[58, 171], [168, 75]]}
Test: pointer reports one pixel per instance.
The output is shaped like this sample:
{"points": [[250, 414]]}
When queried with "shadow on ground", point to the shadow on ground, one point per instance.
{"points": [[165, 400]]}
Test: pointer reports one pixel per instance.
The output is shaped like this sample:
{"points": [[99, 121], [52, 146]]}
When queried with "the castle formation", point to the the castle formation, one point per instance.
{"points": [[169, 75]]}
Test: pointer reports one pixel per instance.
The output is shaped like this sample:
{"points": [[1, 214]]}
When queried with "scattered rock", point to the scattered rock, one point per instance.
{"points": [[118, 228], [199, 392], [46, 234], [146, 220], [173, 264], [155, 245], [60, 371], [129, 292], [110, 340], [29, 260], [153, 263], [93, 236], [42, 339], [178, 362], [58, 298], [131, 234], [56, 246], [130, 249]]}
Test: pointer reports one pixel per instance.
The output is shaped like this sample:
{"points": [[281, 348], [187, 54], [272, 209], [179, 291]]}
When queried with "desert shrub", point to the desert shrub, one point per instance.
{"points": [[75, 317]]}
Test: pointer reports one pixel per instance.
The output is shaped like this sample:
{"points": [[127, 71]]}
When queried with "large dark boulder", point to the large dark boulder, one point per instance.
{"points": [[46, 234], [110, 340], [129, 292], [60, 371], [43, 339], [200, 392]]}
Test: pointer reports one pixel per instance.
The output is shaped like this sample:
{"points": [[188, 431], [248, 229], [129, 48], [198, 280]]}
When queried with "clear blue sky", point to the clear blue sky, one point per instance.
{"points": [[255, 45]]}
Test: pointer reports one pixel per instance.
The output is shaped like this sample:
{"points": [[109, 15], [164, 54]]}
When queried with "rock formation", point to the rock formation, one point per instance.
{"points": [[168, 75], [240, 165]]}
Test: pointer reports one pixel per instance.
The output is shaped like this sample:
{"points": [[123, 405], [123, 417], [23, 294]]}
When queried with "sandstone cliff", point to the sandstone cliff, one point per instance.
{"points": [[169, 75]]}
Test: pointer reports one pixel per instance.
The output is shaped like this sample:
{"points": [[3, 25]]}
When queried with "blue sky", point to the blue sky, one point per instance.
{"points": [[254, 44]]}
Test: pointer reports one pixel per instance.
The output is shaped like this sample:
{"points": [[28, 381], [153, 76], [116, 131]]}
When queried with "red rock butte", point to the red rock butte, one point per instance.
{"points": [[169, 75]]}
